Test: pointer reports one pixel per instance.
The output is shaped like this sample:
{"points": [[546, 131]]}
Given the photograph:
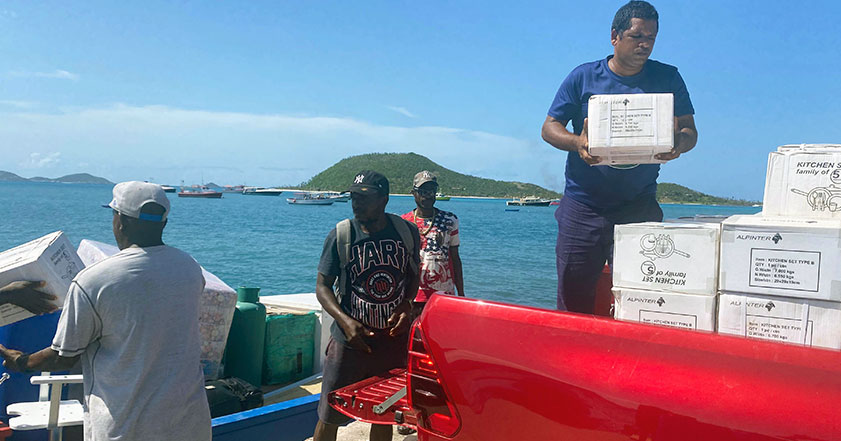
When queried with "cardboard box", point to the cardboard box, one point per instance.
{"points": [[51, 259], [675, 257], [783, 319], [803, 183], [630, 127], [781, 256], [685, 311], [792, 147], [216, 308]]}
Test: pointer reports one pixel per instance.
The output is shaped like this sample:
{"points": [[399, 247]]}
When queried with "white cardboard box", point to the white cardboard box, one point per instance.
{"points": [[676, 257], [803, 182], [685, 311], [781, 256], [783, 319], [790, 147], [630, 127], [216, 308], [51, 259]]}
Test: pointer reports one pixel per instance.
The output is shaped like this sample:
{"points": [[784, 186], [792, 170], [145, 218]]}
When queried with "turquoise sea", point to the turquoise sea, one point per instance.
{"points": [[263, 241]]}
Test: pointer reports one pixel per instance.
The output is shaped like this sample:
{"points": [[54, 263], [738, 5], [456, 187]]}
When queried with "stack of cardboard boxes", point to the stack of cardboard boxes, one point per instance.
{"points": [[781, 269], [777, 274]]}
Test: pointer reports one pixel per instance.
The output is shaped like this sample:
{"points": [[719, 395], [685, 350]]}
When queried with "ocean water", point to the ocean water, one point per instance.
{"points": [[263, 241]]}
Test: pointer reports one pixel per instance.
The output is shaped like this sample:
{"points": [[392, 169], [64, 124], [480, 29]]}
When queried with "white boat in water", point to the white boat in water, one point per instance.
{"points": [[310, 199], [260, 191], [336, 196]]}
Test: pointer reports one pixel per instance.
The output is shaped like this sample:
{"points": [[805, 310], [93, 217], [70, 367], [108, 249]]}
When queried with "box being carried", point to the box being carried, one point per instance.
{"points": [[51, 259], [216, 308], [685, 311], [630, 128], [783, 257], [804, 181], [783, 319], [676, 257]]}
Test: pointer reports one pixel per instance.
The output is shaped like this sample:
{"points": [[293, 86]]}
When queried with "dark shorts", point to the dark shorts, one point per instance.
{"points": [[585, 243], [345, 366]]}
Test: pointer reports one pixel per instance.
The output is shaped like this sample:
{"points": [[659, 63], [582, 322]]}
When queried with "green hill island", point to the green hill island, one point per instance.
{"points": [[401, 167]]}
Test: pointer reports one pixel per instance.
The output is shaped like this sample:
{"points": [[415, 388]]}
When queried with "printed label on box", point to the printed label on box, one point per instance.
{"points": [[634, 122], [785, 269], [791, 330], [683, 321]]}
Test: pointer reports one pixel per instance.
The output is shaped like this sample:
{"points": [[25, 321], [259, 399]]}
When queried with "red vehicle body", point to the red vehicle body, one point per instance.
{"points": [[481, 370]]}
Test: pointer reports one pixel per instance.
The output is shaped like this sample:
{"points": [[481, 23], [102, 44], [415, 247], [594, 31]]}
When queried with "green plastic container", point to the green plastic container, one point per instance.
{"points": [[289, 347], [244, 349]]}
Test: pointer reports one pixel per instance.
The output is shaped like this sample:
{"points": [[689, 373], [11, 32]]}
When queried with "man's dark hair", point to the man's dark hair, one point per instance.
{"points": [[633, 9]]}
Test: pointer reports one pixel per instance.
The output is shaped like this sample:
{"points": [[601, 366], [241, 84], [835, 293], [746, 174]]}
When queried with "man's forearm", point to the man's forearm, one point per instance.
{"points": [[458, 277], [46, 359], [686, 139], [325, 295], [555, 133]]}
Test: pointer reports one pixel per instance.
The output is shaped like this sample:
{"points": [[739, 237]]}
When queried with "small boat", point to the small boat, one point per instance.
{"points": [[512, 209], [555, 202], [233, 189], [310, 199], [168, 189], [199, 192], [530, 201], [261, 191], [441, 197], [336, 196]]}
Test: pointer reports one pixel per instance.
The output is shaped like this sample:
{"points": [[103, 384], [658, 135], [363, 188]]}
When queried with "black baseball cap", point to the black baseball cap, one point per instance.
{"points": [[368, 182]]}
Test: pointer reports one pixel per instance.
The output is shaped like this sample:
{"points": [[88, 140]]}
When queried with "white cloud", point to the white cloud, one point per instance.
{"points": [[130, 142], [56, 74], [39, 160], [402, 110], [19, 104]]}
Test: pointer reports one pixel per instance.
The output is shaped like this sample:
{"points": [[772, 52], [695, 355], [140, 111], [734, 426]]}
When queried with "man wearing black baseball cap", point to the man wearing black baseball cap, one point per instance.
{"points": [[375, 258]]}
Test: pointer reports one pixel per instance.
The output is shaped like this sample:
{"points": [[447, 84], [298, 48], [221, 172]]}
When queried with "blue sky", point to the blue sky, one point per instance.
{"points": [[273, 92]]}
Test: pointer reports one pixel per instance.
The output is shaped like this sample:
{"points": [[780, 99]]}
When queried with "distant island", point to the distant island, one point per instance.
{"points": [[76, 178], [400, 168]]}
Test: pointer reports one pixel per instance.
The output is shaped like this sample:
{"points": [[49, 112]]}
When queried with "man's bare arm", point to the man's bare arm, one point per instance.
{"points": [[46, 359], [458, 275], [556, 134], [353, 330], [686, 136]]}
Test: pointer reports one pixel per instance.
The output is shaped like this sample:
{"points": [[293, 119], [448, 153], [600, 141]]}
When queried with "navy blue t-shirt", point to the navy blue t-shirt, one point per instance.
{"points": [[604, 186]]}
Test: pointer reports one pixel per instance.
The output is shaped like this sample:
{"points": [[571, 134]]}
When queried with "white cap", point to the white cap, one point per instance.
{"points": [[131, 196]]}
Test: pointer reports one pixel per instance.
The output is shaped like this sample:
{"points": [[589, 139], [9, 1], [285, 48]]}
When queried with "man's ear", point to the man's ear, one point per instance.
{"points": [[614, 36]]}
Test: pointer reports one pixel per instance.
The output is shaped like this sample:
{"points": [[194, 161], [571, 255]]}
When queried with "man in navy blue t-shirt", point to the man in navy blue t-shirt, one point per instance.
{"points": [[597, 197]]}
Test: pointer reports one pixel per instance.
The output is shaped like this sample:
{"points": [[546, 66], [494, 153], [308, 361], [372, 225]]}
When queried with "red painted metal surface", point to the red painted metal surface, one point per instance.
{"points": [[358, 400], [518, 373]]}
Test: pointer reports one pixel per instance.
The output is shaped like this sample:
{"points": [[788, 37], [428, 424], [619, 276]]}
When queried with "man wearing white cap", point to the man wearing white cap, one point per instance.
{"points": [[133, 320]]}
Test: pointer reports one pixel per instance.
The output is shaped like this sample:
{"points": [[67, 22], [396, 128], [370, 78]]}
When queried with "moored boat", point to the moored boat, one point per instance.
{"points": [[441, 197], [199, 192], [530, 201], [304, 198], [261, 191], [335, 196], [168, 188]]}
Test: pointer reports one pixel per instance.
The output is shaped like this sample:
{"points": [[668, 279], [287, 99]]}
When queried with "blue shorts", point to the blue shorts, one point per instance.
{"points": [[585, 243]]}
